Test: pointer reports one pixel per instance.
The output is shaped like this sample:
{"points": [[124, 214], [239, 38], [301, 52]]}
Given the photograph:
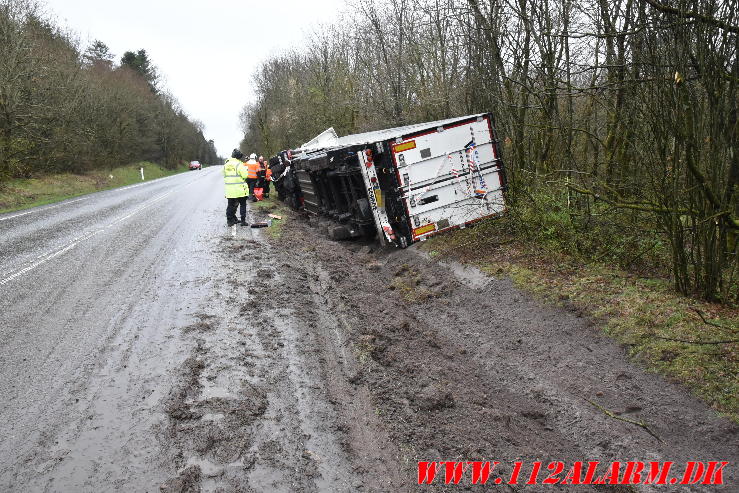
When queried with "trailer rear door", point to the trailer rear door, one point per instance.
{"points": [[450, 175]]}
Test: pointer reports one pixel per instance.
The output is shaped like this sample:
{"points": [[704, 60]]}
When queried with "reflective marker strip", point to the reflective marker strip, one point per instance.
{"points": [[405, 146], [424, 229]]}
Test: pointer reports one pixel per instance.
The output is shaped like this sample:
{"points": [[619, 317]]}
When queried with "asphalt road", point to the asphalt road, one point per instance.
{"points": [[86, 287], [148, 347]]}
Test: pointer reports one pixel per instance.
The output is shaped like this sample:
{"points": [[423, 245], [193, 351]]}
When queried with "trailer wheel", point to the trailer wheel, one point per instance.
{"points": [[338, 233]]}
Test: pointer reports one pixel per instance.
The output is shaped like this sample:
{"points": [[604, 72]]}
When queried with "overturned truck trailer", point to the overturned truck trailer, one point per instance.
{"points": [[403, 184]]}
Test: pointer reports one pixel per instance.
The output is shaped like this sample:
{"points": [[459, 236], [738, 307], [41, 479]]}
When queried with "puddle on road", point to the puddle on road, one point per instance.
{"points": [[466, 274], [212, 417], [214, 392]]}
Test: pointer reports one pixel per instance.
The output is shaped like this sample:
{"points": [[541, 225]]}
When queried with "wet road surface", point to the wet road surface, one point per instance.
{"points": [[89, 289], [136, 359], [147, 347]]}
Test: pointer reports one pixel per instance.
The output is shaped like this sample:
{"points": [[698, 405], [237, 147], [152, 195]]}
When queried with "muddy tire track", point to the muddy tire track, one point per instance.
{"points": [[460, 366], [325, 366], [263, 402]]}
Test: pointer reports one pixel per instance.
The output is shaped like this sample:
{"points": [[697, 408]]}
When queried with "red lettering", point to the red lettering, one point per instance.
{"points": [[632, 474], [455, 471], [534, 476], [516, 472], [427, 471], [481, 471], [713, 475], [574, 474], [658, 472], [693, 472], [556, 469], [590, 473], [611, 477]]}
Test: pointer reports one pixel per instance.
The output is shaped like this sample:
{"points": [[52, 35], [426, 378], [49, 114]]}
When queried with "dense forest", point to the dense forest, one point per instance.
{"points": [[618, 118], [65, 109]]}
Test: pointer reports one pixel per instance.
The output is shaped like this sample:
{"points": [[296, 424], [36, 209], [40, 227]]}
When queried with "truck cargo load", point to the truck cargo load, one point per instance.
{"points": [[402, 184]]}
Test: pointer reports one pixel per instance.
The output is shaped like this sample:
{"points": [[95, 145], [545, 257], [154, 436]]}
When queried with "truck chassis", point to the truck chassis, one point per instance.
{"points": [[402, 184]]}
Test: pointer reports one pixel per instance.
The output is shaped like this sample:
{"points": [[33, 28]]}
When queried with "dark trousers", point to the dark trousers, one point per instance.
{"points": [[266, 187], [251, 182], [231, 209], [281, 194]]}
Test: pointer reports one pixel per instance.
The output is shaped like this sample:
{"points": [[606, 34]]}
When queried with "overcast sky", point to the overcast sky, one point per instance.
{"points": [[206, 51]]}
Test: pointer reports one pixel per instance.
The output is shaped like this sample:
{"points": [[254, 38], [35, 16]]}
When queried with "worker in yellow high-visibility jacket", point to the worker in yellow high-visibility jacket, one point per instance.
{"points": [[234, 179]]}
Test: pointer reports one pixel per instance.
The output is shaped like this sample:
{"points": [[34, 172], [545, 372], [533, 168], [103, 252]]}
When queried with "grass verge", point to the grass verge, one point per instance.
{"points": [[272, 205], [26, 193], [679, 337]]}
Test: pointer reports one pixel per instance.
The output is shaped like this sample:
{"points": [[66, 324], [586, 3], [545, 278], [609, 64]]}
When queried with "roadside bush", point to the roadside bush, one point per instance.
{"points": [[545, 215]]}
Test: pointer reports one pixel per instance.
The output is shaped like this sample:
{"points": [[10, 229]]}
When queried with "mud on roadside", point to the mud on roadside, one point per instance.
{"points": [[361, 362], [263, 403]]}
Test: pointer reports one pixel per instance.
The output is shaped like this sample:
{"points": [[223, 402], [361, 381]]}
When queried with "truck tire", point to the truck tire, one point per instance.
{"points": [[338, 233]]}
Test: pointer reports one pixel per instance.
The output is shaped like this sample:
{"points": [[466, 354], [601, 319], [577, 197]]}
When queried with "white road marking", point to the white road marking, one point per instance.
{"points": [[33, 266], [46, 208], [42, 259], [39, 210]]}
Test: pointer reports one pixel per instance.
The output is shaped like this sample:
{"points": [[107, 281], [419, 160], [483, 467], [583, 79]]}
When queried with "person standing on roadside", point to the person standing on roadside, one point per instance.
{"points": [[234, 179], [267, 176], [262, 175], [252, 167]]}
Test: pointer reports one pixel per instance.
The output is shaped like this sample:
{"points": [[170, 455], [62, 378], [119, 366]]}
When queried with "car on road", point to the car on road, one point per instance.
{"points": [[195, 165]]}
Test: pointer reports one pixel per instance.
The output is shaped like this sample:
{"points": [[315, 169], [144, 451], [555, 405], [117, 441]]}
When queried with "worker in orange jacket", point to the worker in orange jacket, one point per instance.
{"points": [[268, 179], [252, 168], [264, 175]]}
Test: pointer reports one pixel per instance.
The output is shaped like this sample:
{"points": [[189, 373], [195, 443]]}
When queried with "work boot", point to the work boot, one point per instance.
{"points": [[244, 223]]}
